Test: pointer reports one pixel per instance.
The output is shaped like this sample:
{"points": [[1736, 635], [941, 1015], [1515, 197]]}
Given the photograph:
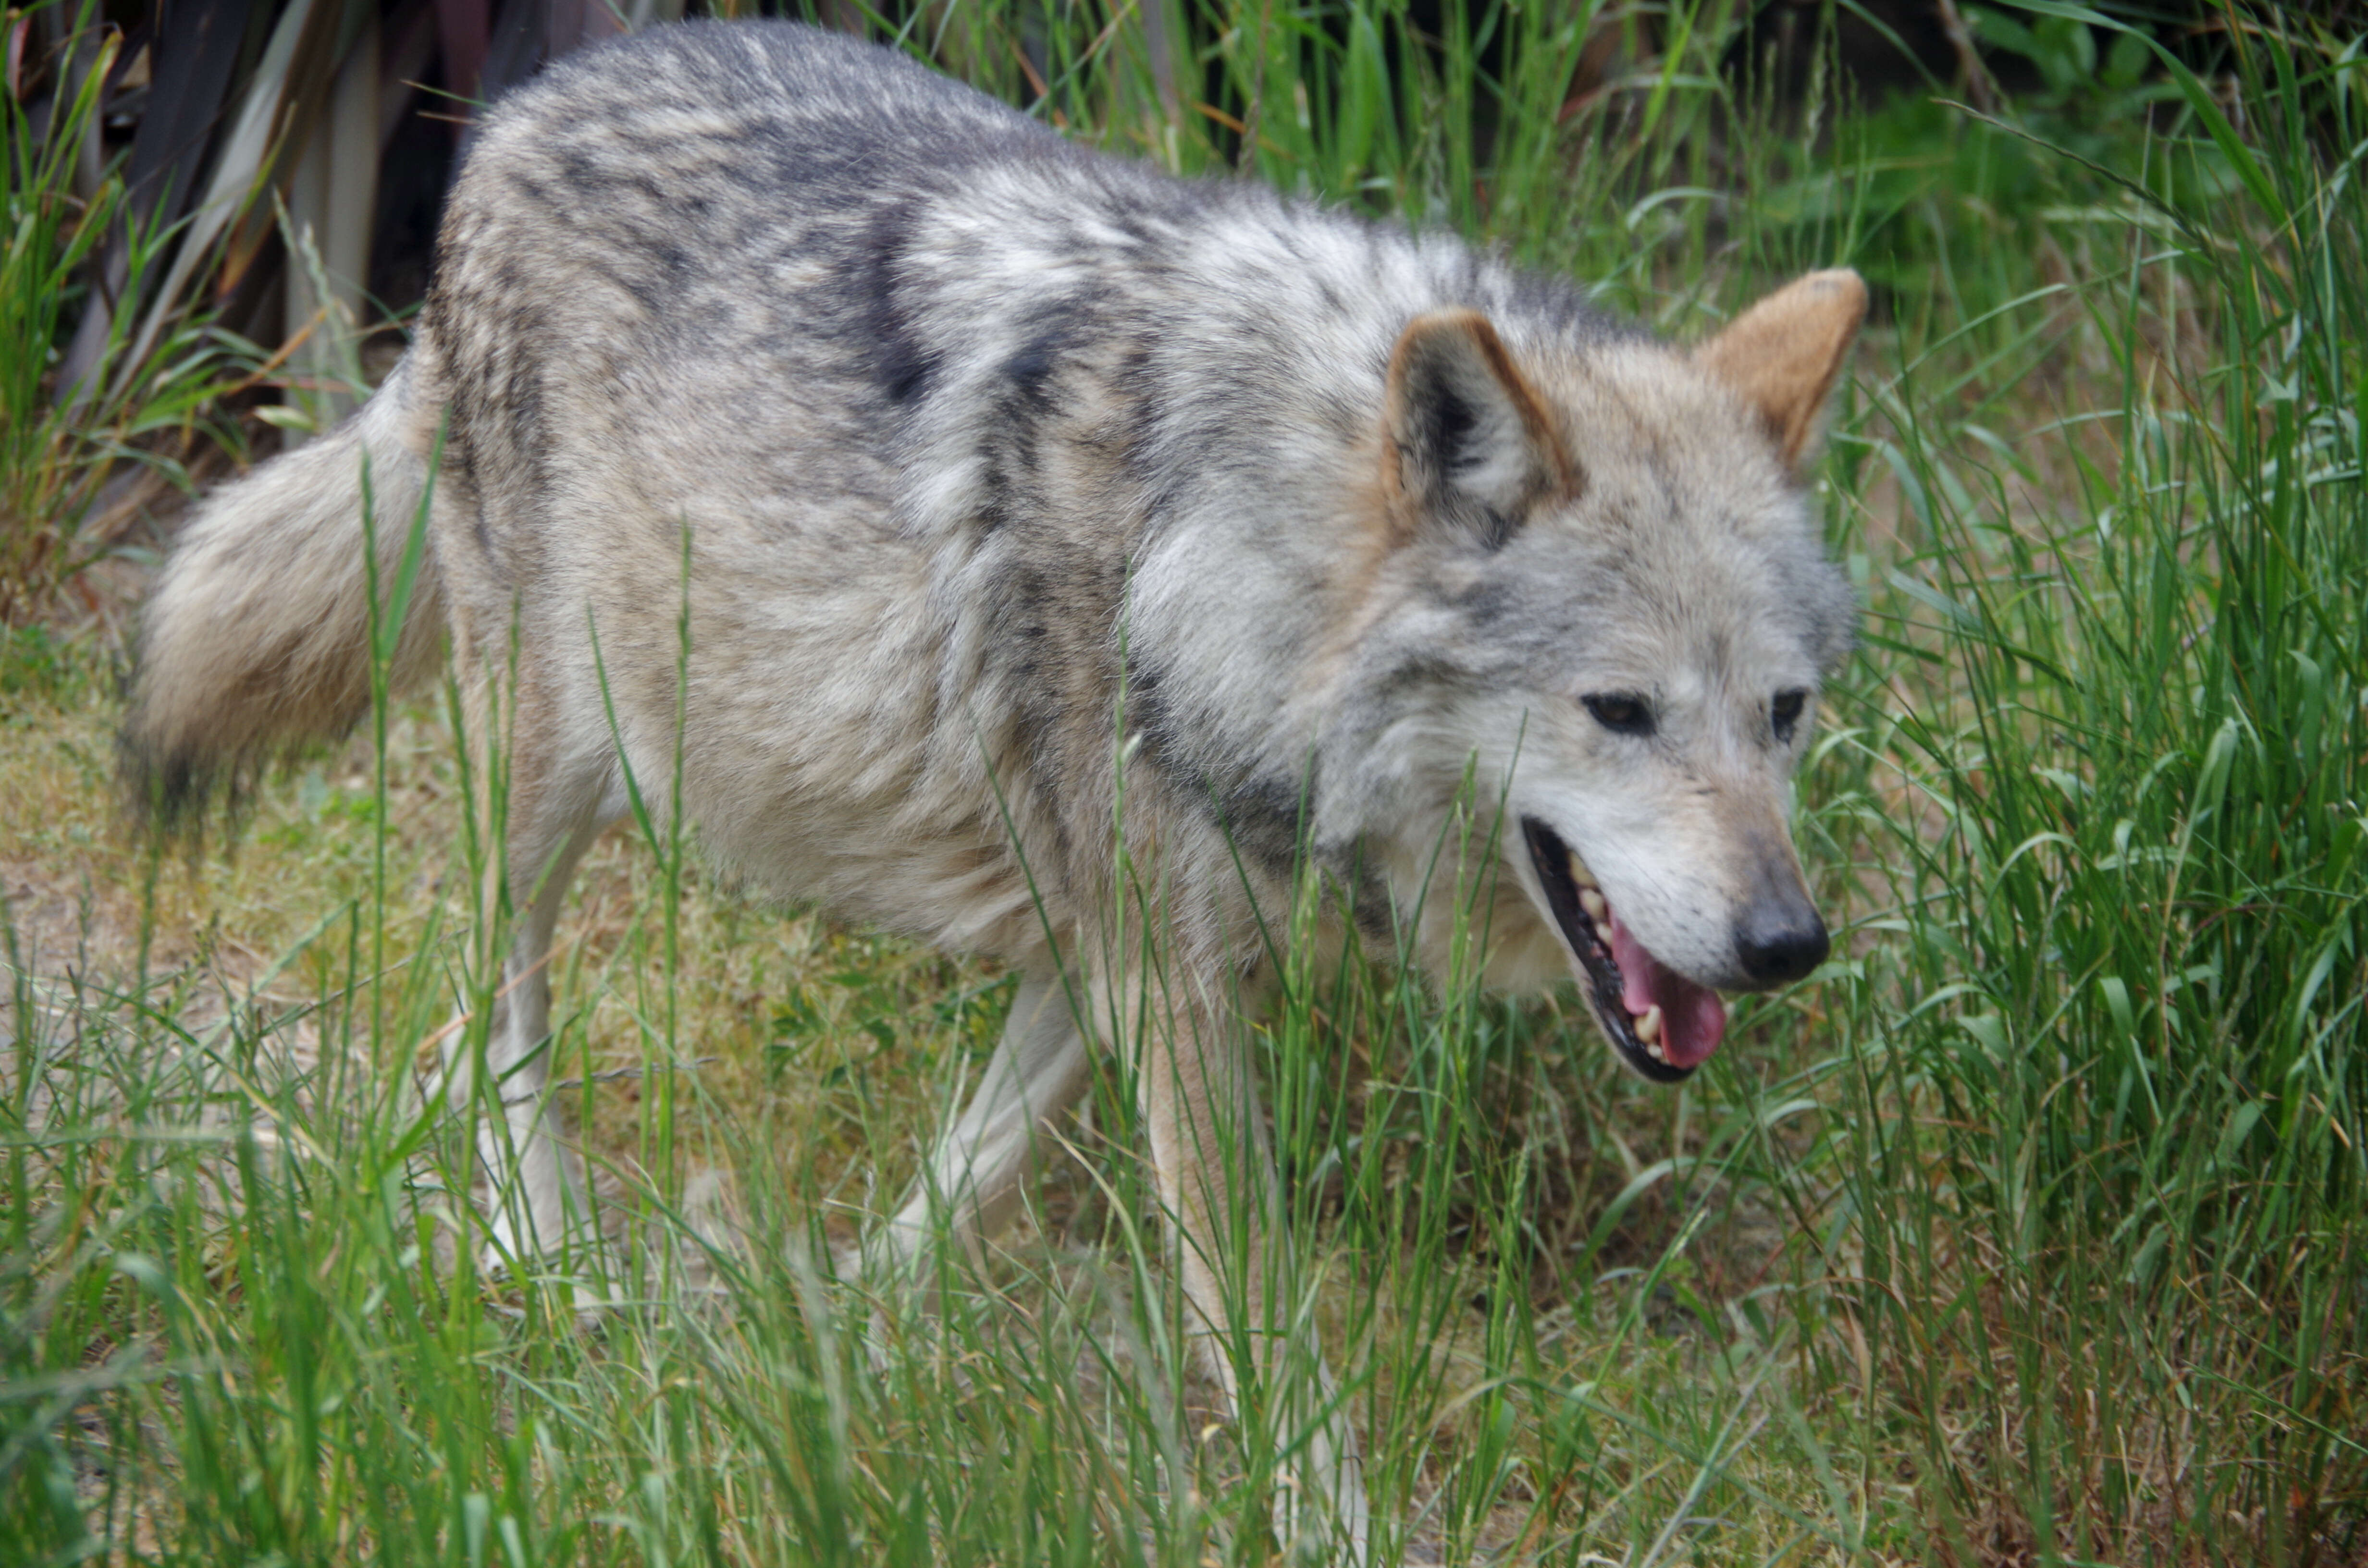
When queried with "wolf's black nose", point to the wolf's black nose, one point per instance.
{"points": [[1780, 942]]}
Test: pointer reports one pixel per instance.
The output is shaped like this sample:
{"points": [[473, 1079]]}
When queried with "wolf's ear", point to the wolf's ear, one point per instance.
{"points": [[1785, 352], [1465, 440]]}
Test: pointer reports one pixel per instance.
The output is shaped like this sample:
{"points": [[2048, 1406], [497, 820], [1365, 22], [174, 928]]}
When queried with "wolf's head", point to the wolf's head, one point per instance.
{"points": [[1603, 583]]}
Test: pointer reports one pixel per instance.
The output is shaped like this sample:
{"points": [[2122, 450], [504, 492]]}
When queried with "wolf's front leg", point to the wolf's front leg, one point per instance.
{"points": [[1217, 1185], [973, 1179]]}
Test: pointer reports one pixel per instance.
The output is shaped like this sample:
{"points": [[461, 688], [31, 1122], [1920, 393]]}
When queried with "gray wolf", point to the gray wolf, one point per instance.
{"points": [[1025, 502]]}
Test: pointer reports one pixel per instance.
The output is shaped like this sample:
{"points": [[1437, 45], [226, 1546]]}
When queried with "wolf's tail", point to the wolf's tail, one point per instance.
{"points": [[257, 639]]}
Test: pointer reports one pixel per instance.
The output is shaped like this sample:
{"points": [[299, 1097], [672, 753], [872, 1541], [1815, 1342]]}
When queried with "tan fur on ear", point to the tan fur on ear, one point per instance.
{"points": [[1463, 427], [1786, 351]]}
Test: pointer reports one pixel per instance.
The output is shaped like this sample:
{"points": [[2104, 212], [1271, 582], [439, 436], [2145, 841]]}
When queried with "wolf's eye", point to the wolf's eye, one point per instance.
{"points": [[1785, 713], [1621, 713]]}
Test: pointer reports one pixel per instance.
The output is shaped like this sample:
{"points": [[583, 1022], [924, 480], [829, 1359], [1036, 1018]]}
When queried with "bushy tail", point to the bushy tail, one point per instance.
{"points": [[257, 639]]}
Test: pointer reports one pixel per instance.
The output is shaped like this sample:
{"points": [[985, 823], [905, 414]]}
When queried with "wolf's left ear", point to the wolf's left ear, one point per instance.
{"points": [[1466, 442], [1786, 351]]}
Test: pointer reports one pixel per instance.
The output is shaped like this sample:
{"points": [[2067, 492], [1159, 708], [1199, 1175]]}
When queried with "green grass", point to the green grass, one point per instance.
{"points": [[71, 224], [2031, 1230]]}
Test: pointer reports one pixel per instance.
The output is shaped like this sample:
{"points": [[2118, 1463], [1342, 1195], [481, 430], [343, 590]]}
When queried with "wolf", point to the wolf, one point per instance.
{"points": [[1024, 550]]}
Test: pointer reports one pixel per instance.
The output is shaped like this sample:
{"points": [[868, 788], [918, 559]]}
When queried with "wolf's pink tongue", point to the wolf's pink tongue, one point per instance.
{"points": [[1693, 1019]]}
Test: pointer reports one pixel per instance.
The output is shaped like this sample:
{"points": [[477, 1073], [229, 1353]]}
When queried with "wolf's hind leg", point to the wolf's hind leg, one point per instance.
{"points": [[539, 1200], [974, 1177]]}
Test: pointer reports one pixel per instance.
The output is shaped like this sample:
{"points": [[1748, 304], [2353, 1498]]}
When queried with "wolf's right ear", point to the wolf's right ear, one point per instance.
{"points": [[1784, 353], [1465, 440]]}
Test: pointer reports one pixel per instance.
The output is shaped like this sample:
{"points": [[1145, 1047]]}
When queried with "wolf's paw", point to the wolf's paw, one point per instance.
{"points": [[906, 1328], [588, 1284], [571, 1258]]}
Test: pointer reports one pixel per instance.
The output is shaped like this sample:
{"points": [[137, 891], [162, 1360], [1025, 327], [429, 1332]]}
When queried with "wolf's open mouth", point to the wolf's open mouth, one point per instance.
{"points": [[1663, 1023]]}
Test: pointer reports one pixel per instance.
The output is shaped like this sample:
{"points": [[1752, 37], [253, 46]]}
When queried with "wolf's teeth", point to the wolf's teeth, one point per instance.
{"points": [[1648, 1024], [1592, 901], [1578, 872]]}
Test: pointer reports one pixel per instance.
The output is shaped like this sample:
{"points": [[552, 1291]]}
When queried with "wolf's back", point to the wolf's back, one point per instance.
{"points": [[257, 638]]}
